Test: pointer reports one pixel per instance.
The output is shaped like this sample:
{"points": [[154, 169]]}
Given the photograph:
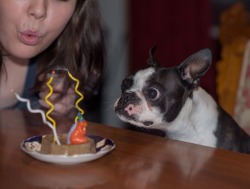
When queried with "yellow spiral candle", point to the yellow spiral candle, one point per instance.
{"points": [[49, 103], [80, 94]]}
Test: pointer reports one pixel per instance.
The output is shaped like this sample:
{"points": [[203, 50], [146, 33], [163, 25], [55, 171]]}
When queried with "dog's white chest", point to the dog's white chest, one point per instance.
{"points": [[197, 121]]}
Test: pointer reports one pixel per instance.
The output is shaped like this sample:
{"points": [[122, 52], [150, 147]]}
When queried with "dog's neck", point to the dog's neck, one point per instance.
{"points": [[194, 123]]}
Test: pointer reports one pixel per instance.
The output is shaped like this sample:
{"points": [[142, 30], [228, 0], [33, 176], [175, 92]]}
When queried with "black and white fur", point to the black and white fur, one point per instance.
{"points": [[171, 100]]}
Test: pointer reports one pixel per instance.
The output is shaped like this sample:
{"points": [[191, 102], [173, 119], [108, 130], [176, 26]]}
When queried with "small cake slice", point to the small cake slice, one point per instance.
{"points": [[48, 146]]}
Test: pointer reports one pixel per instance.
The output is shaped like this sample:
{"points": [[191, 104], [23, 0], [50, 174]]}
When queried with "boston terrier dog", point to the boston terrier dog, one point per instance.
{"points": [[171, 100]]}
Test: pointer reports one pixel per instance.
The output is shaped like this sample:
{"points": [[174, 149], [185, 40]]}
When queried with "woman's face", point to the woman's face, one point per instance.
{"points": [[27, 27]]}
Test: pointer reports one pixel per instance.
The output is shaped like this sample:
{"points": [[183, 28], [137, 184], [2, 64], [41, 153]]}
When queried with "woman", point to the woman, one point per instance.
{"points": [[38, 36]]}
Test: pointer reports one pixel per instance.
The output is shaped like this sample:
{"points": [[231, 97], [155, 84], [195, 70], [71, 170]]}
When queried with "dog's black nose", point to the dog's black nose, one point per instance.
{"points": [[127, 97], [148, 123]]}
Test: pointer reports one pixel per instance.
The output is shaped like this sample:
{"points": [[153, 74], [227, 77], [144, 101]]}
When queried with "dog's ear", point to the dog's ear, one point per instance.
{"points": [[195, 66], [152, 61]]}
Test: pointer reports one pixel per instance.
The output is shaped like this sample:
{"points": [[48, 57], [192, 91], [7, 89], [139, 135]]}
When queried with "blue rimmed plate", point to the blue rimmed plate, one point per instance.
{"points": [[103, 146]]}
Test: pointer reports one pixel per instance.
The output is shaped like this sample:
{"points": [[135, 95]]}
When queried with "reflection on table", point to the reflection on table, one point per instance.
{"points": [[139, 161]]}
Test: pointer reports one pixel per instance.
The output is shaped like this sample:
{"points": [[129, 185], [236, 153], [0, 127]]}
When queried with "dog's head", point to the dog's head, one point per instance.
{"points": [[156, 94]]}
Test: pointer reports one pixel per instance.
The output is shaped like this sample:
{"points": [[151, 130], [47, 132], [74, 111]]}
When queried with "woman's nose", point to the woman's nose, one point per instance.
{"points": [[38, 8]]}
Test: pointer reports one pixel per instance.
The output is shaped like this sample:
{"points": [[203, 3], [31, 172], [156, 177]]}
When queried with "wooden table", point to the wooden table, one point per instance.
{"points": [[139, 161]]}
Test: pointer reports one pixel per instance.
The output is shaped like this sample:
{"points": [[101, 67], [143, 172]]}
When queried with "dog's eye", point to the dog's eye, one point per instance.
{"points": [[152, 93]]}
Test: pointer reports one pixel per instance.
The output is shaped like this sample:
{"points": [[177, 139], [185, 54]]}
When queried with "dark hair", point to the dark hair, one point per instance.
{"points": [[80, 49]]}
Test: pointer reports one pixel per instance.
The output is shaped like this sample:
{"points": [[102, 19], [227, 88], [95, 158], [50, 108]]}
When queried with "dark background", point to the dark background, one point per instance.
{"points": [[178, 29]]}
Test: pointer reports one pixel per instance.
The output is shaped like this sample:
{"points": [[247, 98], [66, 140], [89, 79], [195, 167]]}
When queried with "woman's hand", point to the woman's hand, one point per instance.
{"points": [[62, 106]]}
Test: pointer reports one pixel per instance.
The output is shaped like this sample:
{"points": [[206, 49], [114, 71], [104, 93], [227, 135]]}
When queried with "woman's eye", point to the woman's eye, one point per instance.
{"points": [[152, 93]]}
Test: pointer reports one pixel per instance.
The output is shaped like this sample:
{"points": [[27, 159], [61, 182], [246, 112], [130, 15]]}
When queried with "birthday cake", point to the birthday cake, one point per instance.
{"points": [[48, 146], [74, 142]]}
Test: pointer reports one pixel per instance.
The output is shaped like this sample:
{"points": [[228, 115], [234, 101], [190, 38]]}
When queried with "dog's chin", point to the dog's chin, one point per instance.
{"points": [[134, 121]]}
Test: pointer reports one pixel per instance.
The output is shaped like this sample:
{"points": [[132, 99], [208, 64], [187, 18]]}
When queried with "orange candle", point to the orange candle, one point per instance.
{"points": [[78, 135]]}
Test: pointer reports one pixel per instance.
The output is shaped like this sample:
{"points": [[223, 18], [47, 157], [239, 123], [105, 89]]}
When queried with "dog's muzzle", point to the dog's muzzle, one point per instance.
{"points": [[129, 106], [125, 99]]}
